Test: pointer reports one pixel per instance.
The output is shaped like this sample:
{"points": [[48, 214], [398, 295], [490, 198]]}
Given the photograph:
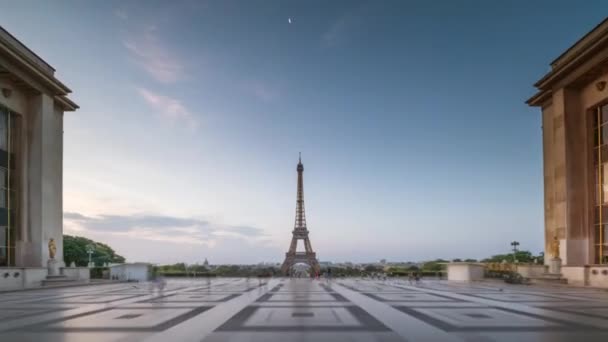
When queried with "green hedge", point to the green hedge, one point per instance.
{"points": [[97, 272]]}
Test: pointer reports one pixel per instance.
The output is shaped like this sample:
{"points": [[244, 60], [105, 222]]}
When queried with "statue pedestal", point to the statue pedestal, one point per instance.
{"points": [[53, 267], [555, 266]]}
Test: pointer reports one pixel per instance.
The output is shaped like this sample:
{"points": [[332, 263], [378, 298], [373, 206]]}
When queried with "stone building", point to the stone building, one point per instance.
{"points": [[32, 104], [573, 98]]}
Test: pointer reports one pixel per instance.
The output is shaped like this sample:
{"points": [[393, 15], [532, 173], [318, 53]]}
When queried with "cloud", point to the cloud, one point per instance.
{"points": [[261, 90], [154, 57], [159, 228], [121, 14], [264, 91], [338, 31], [169, 107]]}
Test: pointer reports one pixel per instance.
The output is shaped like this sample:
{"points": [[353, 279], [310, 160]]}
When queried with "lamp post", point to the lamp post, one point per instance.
{"points": [[90, 250], [514, 244]]}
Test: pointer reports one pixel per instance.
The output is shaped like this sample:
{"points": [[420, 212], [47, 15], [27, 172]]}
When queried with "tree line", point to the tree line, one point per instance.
{"points": [[75, 250]]}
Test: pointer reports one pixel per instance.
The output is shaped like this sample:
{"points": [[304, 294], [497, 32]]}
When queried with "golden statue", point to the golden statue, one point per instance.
{"points": [[555, 247], [52, 248]]}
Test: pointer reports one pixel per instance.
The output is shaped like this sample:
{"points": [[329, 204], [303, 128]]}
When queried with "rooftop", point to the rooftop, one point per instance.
{"points": [[578, 64], [28, 70]]}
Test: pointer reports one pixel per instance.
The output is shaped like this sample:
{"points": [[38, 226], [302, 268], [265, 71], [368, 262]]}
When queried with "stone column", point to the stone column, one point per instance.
{"points": [[44, 212]]}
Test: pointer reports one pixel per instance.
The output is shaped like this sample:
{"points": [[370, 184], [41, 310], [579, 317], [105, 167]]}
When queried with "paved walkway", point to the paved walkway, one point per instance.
{"points": [[236, 309]]}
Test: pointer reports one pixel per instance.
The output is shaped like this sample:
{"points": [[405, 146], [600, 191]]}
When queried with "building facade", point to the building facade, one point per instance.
{"points": [[573, 98], [32, 104]]}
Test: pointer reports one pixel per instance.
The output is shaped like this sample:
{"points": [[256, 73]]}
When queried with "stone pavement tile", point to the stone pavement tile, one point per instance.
{"points": [[122, 319], [533, 336], [308, 336], [46, 336], [30, 297], [562, 303], [192, 298], [589, 311], [410, 297], [302, 297], [301, 303], [407, 327], [298, 318], [305, 310], [91, 299], [10, 313], [517, 297], [196, 328], [484, 319]]}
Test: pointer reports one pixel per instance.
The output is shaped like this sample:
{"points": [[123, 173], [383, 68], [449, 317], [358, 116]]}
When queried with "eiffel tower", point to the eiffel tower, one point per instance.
{"points": [[300, 232]]}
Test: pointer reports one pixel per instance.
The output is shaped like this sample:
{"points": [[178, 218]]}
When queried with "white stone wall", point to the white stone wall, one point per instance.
{"points": [[137, 272], [531, 271], [76, 273], [576, 275], [598, 276], [11, 278], [465, 271], [16, 278]]}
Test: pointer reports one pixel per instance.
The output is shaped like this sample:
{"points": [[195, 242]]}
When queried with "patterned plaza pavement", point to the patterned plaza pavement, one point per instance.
{"points": [[237, 309]]}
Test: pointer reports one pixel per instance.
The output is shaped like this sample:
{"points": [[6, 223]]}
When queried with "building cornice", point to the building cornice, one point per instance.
{"points": [[67, 104], [569, 61], [19, 56]]}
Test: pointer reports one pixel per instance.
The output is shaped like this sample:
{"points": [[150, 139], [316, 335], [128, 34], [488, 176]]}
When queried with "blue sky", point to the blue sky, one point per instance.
{"points": [[410, 117]]}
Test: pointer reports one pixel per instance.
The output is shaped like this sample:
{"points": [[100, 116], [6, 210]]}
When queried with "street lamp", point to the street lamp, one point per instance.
{"points": [[90, 250], [514, 244]]}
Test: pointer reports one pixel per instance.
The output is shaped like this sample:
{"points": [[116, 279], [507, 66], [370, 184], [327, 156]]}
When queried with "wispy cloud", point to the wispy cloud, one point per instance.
{"points": [[339, 29], [263, 91], [121, 14], [159, 228], [169, 107], [154, 57]]}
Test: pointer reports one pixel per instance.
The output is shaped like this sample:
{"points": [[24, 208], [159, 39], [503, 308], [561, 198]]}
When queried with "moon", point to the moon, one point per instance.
{"points": [[289, 20]]}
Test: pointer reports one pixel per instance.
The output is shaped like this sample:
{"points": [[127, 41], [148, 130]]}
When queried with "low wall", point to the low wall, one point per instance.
{"points": [[15, 278], [576, 275], [598, 275], [465, 271], [134, 271], [531, 271], [76, 273]]}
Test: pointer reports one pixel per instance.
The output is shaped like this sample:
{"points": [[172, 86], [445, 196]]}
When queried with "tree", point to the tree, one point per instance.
{"points": [[373, 269], [436, 265], [520, 256], [198, 268], [74, 250]]}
